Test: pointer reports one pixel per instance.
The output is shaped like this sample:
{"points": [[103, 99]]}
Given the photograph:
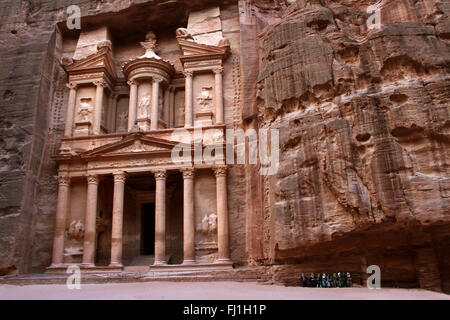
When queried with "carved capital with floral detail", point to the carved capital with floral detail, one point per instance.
{"points": [[160, 174], [220, 171], [218, 70], [64, 181], [188, 74], [101, 83], [131, 82], [188, 173], [72, 85], [157, 79], [120, 177], [93, 179]]}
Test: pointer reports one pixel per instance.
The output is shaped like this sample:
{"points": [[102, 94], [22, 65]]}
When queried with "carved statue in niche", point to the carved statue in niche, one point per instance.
{"points": [[85, 109], [76, 231], [160, 106], [205, 98], [144, 107], [149, 46], [122, 121], [208, 228]]}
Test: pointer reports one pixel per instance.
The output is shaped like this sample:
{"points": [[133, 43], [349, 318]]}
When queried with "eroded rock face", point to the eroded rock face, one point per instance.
{"points": [[364, 131]]}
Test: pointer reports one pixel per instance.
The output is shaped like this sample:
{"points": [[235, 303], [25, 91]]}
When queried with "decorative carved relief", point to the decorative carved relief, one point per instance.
{"points": [[144, 107], [184, 34], [85, 109], [76, 231], [205, 98], [208, 225], [122, 121], [149, 46]]}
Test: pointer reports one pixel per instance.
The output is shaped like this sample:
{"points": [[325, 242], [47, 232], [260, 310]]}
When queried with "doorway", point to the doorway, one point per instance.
{"points": [[148, 229]]}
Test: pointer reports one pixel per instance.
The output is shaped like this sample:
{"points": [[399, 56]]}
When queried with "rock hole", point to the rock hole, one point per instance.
{"points": [[8, 95], [399, 98], [363, 137]]}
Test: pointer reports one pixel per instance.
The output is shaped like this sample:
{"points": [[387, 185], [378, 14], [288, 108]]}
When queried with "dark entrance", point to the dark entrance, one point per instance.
{"points": [[148, 229]]}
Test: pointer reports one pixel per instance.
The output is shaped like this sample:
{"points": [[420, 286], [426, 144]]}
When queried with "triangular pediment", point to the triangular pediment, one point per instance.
{"points": [[192, 48], [132, 145]]}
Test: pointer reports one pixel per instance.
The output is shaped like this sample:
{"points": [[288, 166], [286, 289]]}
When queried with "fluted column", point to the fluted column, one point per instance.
{"points": [[188, 216], [160, 217], [98, 105], [60, 225], [223, 237], [188, 115], [117, 219], [70, 109], [155, 105], [90, 220], [133, 104], [219, 95]]}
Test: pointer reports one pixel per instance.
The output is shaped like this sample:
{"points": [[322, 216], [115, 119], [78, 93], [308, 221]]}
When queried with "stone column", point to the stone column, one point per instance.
{"points": [[133, 104], [90, 221], [155, 103], [117, 219], [219, 95], [160, 217], [188, 216], [70, 109], [60, 225], [188, 105], [223, 237], [98, 105]]}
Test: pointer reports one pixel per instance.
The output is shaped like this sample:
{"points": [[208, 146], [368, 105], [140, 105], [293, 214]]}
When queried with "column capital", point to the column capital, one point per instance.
{"points": [[220, 171], [188, 173], [120, 176], [93, 179], [160, 174], [99, 83], [72, 85], [131, 82], [157, 79], [188, 74], [218, 70], [63, 180]]}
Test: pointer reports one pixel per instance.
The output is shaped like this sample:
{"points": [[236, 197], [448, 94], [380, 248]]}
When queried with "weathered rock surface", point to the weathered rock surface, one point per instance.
{"points": [[364, 131]]}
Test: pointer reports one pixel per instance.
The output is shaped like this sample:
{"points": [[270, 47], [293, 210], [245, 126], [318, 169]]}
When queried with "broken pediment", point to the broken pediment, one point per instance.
{"points": [[191, 49], [99, 62]]}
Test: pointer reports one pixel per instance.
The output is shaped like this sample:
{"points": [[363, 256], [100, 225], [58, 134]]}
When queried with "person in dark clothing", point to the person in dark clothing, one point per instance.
{"points": [[335, 284], [339, 280], [312, 280], [344, 279], [349, 280], [329, 281], [304, 280]]}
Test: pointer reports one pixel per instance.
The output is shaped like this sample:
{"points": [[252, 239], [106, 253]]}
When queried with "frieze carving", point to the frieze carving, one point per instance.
{"points": [[208, 225]]}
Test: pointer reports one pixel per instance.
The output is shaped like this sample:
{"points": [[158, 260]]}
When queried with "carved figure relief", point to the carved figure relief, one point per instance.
{"points": [[205, 98], [122, 121], [76, 231], [183, 33], [144, 107], [208, 227], [85, 109], [149, 46]]}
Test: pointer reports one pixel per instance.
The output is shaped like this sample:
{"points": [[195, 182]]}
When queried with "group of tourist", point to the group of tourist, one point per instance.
{"points": [[336, 280]]}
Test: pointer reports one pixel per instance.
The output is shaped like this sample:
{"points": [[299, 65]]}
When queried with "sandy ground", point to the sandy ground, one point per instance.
{"points": [[207, 291]]}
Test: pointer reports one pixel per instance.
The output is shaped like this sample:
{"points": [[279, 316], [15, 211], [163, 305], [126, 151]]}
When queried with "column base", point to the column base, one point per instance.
{"points": [[160, 263], [189, 262], [223, 261], [87, 265], [56, 266], [115, 265]]}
